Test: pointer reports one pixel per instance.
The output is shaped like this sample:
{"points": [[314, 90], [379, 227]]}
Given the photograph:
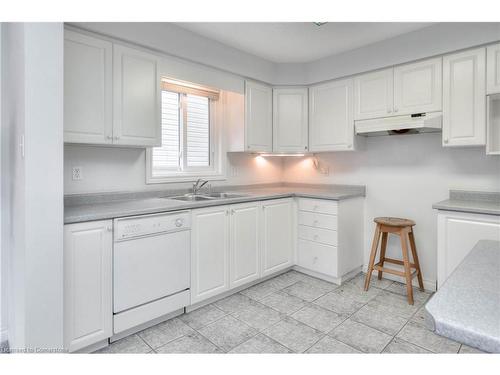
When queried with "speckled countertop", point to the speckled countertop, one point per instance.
{"points": [[89, 207], [467, 307], [471, 201]]}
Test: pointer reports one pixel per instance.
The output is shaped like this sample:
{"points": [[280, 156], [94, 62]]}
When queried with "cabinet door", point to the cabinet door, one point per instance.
{"points": [[464, 98], [331, 122], [258, 117], [418, 87], [209, 252], [373, 94], [88, 310], [244, 246], [290, 120], [493, 69], [277, 236], [457, 234], [137, 97], [87, 89]]}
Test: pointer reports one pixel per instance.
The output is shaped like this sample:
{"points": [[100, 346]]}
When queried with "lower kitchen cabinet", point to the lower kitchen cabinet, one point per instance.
{"points": [[88, 311], [277, 235], [458, 232], [209, 252]]}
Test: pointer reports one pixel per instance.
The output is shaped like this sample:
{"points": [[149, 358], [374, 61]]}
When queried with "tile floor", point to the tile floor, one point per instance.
{"points": [[296, 313]]}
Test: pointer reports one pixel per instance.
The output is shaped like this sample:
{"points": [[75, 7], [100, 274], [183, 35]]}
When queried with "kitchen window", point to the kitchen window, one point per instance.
{"points": [[190, 141]]}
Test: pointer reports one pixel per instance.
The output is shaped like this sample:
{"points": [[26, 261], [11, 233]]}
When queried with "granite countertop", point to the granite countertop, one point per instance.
{"points": [[89, 207], [467, 307], [471, 201]]}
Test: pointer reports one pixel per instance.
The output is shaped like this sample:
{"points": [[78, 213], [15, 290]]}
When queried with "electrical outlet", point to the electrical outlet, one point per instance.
{"points": [[77, 173]]}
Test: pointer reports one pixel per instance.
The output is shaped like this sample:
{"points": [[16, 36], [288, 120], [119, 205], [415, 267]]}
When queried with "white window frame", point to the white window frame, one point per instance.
{"points": [[213, 173]]}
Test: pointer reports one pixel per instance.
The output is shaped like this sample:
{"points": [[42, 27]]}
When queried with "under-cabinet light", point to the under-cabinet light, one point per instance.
{"points": [[268, 155]]}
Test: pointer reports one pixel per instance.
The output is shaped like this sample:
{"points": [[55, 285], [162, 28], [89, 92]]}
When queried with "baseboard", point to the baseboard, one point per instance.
{"points": [[335, 280], [429, 285], [4, 343]]}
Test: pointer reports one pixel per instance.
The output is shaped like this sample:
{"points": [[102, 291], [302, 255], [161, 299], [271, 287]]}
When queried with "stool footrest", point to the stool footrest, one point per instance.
{"points": [[397, 261], [379, 267]]}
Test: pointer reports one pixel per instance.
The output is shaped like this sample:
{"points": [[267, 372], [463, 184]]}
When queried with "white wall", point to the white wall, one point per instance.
{"points": [[32, 77], [404, 176]]}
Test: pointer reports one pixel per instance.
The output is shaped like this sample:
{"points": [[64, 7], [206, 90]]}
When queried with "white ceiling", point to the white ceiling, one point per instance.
{"points": [[299, 42]]}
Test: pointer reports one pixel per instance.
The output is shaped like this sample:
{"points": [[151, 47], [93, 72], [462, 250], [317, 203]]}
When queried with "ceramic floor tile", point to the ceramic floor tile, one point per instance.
{"points": [[357, 292], [421, 336], [191, 343], [165, 332], [260, 344], [130, 344], [360, 336], [283, 302], [228, 332], [319, 318], [465, 349], [394, 304], [294, 335], [401, 347], [329, 345], [284, 280], [339, 303], [201, 317], [374, 281], [305, 291], [259, 291], [318, 283], [419, 297], [233, 303], [258, 316], [380, 319], [420, 317]]}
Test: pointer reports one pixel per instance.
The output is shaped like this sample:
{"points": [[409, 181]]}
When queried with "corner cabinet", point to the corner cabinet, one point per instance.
{"points": [[258, 117], [290, 122], [136, 98], [88, 89], [88, 310], [493, 69], [464, 98], [277, 235], [331, 120]]}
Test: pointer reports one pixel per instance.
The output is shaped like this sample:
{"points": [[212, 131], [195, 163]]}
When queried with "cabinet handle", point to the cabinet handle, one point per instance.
{"points": [[232, 212], [117, 137], [227, 212], [109, 137], [389, 111], [445, 140], [396, 109], [349, 146], [109, 229]]}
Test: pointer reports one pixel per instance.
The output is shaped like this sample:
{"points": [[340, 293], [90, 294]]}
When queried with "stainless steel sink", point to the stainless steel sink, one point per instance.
{"points": [[192, 198], [223, 195]]}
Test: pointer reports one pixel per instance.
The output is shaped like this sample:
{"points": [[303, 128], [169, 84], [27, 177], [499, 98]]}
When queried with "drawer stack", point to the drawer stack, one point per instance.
{"points": [[317, 244]]}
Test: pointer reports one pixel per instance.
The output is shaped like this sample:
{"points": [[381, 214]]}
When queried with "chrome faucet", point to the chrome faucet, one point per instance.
{"points": [[198, 185]]}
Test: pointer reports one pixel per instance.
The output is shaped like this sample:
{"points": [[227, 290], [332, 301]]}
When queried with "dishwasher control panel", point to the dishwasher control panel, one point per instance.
{"points": [[139, 226]]}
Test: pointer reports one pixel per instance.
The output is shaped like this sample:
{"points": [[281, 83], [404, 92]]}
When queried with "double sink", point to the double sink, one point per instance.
{"points": [[206, 197]]}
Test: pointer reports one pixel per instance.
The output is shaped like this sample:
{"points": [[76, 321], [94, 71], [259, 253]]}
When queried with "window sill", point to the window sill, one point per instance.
{"points": [[184, 177]]}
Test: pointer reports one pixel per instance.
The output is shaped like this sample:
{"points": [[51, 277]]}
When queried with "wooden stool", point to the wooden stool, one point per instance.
{"points": [[404, 229]]}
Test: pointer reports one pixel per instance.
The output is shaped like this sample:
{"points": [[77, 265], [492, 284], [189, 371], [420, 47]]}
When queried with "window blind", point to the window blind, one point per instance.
{"points": [[166, 157], [183, 87], [197, 131]]}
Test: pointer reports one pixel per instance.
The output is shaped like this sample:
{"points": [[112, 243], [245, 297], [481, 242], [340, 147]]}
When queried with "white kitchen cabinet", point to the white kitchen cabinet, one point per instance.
{"points": [[209, 252], [258, 117], [88, 89], [136, 98], [374, 94], [464, 98], [277, 235], [458, 232], [493, 69], [290, 120], [244, 243], [88, 310], [418, 87], [331, 116]]}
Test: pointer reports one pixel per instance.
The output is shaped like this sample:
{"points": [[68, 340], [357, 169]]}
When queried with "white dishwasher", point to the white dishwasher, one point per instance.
{"points": [[151, 267]]}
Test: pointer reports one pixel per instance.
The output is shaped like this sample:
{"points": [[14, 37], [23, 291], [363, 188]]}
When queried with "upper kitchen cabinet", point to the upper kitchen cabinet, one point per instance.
{"points": [[87, 89], [373, 93], [136, 98], [290, 131], [418, 87], [493, 69], [464, 98], [258, 117], [331, 120]]}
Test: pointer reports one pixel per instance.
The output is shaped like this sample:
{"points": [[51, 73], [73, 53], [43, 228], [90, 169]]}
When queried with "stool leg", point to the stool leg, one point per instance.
{"points": [[409, 289], [383, 246], [415, 259], [373, 254]]}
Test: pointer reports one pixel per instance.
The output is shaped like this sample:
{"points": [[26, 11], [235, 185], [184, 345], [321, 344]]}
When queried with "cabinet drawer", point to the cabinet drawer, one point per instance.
{"points": [[318, 205], [324, 236], [318, 257], [317, 220]]}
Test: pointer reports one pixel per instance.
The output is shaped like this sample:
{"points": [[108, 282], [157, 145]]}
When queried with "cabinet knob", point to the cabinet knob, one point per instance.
{"points": [[315, 237], [109, 229], [109, 137], [349, 146], [396, 109], [445, 140], [179, 222], [232, 212], [315, 222], [305, 147], [389, 111], [117, 137]]}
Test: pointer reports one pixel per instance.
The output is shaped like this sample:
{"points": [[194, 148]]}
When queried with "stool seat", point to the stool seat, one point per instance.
{"points": [[394, 222]]}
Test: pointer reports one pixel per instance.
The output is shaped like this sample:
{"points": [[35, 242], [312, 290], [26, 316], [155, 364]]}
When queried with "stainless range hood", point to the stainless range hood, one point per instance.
{"points": [[410, 124]]}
